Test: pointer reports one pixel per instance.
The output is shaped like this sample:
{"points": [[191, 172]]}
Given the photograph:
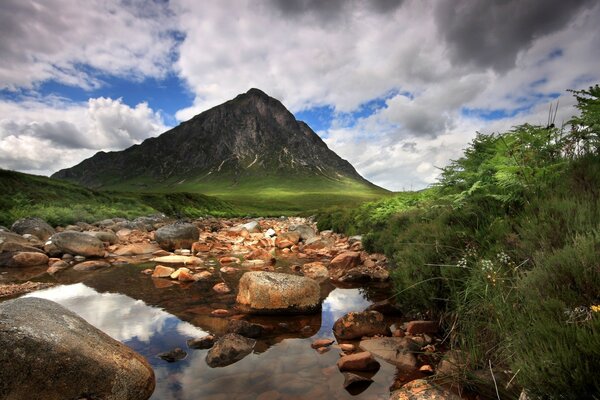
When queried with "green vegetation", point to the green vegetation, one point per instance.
{"points": [[60, 202], [504, 250]]}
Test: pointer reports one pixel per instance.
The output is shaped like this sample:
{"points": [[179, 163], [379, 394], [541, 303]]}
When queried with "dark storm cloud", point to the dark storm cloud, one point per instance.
{"points": [[491, 33], [329, 9]]}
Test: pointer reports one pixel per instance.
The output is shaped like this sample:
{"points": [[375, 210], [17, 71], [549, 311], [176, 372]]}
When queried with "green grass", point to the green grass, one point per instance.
{"points": [[60, 202]]}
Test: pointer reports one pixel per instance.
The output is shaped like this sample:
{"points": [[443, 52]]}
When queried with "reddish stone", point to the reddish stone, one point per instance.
{"points": [[362, 361], [160, 271], [221, 288], [416, 327], [321, 343]]}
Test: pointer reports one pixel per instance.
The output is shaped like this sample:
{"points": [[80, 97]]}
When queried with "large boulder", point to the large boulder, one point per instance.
{"points": [[22, 259], [274, 292], [34, 226], [355, 325], [305, 231], [342, 263], [78, 243], [176, 236], [229, 349], [52, 353]]}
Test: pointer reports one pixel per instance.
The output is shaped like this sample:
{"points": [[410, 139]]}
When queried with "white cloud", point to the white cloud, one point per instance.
{"points": [[44, 135]]}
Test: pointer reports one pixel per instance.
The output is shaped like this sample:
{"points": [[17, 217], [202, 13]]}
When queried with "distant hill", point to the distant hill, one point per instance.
{"points": [[248, 147]]}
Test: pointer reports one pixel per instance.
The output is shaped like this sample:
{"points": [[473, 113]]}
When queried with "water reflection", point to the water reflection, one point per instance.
{"points": [[283, 367]]}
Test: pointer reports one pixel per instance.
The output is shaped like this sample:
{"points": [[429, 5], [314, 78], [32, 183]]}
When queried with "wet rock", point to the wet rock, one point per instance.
{"points": [[347, 347], [174, 355], [46, 349], [57, 267], [9, 237], [260, 254], [104, 236], [342, 263], [306, 232], [245, 328], [185, 260], [22, 259], [362, 273], [270, 232], [221, 288], [315, 270], [229, 349], [18, 247], [205, 342], [251, 227], [396, 351], [416, 327], [200, 247], [14, 289], [203, 275], [317, 243], [322, 343], [160, 271], [219, 312], [78, 243], [136, 249], [176, 236], [283, 243], [91, 265], [355, 325], [229, 260], [420, 389], [293, 237], [356, 384], [385, 307], [79, 258], [33, 226], [272, 292], [363, 361]]}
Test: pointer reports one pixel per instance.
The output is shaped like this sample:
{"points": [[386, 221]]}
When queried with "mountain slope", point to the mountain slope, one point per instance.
{"points": [[250, 143]]}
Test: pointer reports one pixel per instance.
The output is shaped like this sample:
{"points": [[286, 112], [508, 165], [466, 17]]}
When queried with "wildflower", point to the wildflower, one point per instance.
{"points": [[595, 308]]}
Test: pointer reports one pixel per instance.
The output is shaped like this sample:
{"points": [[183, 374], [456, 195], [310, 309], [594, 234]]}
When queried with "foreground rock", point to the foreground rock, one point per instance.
{"points": [[12, 238], [420, 389], [176, 236], [355, 325], [33, 226], [396, 351], [22, 259], [78, 243], [49, 351], [273, 292], [229, 349]]}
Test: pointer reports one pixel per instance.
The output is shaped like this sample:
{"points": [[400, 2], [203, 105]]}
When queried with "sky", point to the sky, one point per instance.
{"points": [[397, 87]]}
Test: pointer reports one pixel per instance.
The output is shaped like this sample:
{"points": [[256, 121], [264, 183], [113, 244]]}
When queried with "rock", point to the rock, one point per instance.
{"points": [[251, 227], [104, 236], [174, 355], [396, 351], [14, 289], [160, 271], [33, 226], [342, 263], [270, 233], [283, 243], [347, 347], [18, 247], [229, 260], [322, 343], [229, 270], [91, 265], [416, 327], [362, 273], [79, 258], [176, 236], [203, 275], [50, 351], [57, 267], [293, 237], [306, 232], [229, 349], [205, 342], [221, 288], [78, 243], [136, 249], [186, 276], [199, 247], [356, 384], [273, 292], [178, 272], [245, 328], [22, 259], [260, 254], [219, 312], [317, 243], [363, 361], [185, 260], [315, 270], [428, 369], [420, 389], [9, 237], [454, 363], [385, 307], [355, 325]]}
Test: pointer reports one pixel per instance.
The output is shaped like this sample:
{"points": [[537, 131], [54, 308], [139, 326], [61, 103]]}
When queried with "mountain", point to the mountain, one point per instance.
{"points": [[247, 145]]}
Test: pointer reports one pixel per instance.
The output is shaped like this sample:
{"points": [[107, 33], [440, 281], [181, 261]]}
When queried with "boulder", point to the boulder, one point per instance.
{"points": [[77, 243], [396, 351], [317, 243], [315, 270], [420, 389], [342, 263], [9, 237], [53, 353], [306, 232], [104, 236], [273, 292], [251, 227], [362, 361], [18, 247], [33, 226], [176, 236], [229, 349], [22, 259], [136, 249], [355, 325], [362, 273], [91, 265]]}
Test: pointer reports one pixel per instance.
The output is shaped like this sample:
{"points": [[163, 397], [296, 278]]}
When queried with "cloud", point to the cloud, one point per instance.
{"points": [[492, 34], [74, 44], [47, 134]]}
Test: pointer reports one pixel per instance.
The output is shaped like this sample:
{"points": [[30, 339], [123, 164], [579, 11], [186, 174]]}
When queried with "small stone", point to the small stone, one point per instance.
{"points": [[221, 288], [79, 258], [205, 342], [229, 260], [148, 271], [354, 382], [202, 276], [229, 270], [173, 355], [175, 275], [322, 343], [219, 312], [428, 369], [347, 347], [322, 350], [91, 265], [415, 327], [160, 271], [398, 333], [363, 361], [354, 325]]}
